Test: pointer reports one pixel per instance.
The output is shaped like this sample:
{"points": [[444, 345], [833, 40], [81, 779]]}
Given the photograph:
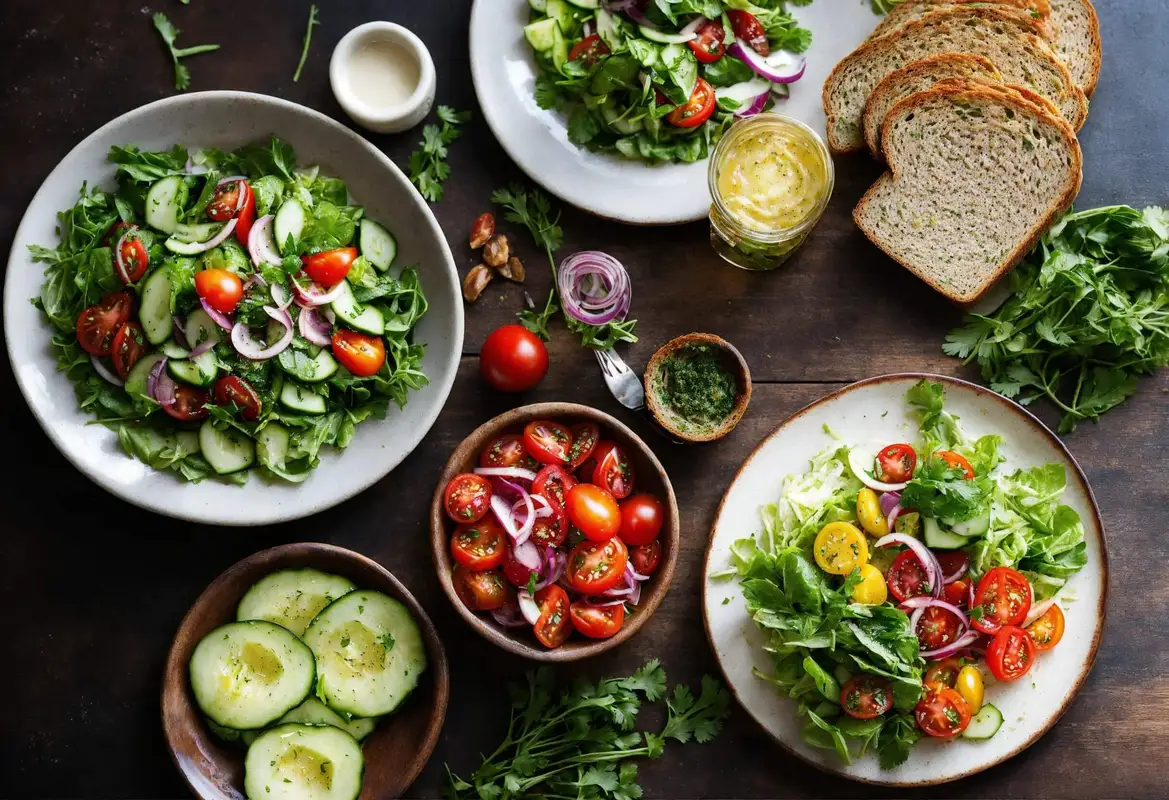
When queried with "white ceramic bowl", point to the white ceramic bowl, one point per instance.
{"points": [[227, 120], [397, 118], [875, 409], [609, 186]]}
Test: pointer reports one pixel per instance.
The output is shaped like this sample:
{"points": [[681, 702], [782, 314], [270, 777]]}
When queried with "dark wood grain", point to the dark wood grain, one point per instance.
{"points": [[96, 588]]}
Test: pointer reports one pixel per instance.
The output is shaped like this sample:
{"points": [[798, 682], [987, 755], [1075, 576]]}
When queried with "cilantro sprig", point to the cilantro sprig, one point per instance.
{"points": [[313, 22], [579, 742], [169, 34], [428, 166]]}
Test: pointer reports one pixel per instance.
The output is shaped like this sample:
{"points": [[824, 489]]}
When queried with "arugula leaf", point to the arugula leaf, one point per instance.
{"points": [[428, 166], [169, 33], [308, 37]]}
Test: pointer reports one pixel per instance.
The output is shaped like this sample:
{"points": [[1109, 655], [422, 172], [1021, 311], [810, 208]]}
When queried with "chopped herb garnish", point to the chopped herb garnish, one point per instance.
{"points": [[308, 35], [169, 33], [428, 166]]}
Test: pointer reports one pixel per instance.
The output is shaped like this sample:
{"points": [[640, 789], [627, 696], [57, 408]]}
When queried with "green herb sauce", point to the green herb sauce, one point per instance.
{"points": [[696, 386]]}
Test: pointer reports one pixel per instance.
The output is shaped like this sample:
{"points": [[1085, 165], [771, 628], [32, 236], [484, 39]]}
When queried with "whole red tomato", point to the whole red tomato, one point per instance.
{"points": [[513, 359]]}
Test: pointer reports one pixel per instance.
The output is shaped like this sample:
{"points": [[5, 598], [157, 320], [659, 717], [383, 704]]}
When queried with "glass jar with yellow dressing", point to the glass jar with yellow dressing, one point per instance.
{"points": [[770, 179]]}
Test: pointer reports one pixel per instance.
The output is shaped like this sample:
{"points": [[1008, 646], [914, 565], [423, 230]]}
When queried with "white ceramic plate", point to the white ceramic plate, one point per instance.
{"points": [[858, 414], [608, 185], [227, 120]]}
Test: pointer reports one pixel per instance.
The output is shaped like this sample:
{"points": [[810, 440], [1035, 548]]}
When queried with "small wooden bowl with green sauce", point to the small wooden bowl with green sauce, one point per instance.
{"points": [[697, 387]]}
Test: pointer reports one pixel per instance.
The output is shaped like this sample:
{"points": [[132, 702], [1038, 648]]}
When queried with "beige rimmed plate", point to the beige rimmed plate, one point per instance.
{"points": [[875, 409]]}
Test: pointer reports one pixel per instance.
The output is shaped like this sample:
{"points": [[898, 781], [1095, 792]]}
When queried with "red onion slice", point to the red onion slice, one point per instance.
{"points": [[119, 262], [180, 326], [280, 295], [956, 574], [159, 384], [239, 201], [1037, 611], [756, 107], [945, 652], [634, 574], [509, 616], [933, 570], [202, 347], [554, 563], [889, 500], [221, 319], [597, 603], [314, 328], [508, 472], [691, 27], [891, 517], [214, 241], [545, 508], [314, 295], [779, 67], [635, 595], [104, 372], [922, 603], [528, 607], [527, 554], [249, 348], [261, 244], [585, 305]]}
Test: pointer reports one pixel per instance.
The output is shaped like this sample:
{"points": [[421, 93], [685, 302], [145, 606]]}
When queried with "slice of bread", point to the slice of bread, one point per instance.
{"points": [[910, 10], [1021, 92], [917, 77], [1078, 42], [977, 174], [1021, 57]]}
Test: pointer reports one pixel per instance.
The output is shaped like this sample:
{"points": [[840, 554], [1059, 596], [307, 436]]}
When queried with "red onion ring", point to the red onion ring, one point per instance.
{"points": [[239, 201], [634, 574], [180, 326], [765, 67], [528, 607], [508, 472], [221, 319], [307, 299], [261, 244], [756, 107], [280, 296], [527, 554], [104, 372], [554, 563], [588, 306], [635, 595], [119, 262], [159, 384], [922, 603], [956, 574], [509, 616], [249, 348], [691, 27], [216, 240], [202, 347], [314, 328], [889, 500], [929, 563], [945, 652], [891, 517]]}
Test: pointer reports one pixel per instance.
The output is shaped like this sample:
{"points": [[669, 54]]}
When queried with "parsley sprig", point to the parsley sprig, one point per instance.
{"points": [[308, 37], [578, 743], [428, 166], [169, 33]]}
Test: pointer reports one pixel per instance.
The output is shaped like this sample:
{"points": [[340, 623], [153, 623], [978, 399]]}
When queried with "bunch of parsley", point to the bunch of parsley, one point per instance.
{"points": [[1089, 315], [578, 743], [428, 166]]}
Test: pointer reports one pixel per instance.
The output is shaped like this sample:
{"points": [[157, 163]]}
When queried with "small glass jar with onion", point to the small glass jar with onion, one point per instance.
{"points": [[770, 179]]}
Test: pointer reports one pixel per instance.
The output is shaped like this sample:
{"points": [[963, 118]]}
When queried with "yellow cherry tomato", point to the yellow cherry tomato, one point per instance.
{"points": [[969, 685], [871, 590], [868, 511], [840, 548]]}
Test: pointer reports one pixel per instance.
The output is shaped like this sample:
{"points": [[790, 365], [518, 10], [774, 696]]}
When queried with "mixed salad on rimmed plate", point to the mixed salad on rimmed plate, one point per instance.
{"points": [[220, 308], [896, 585]]}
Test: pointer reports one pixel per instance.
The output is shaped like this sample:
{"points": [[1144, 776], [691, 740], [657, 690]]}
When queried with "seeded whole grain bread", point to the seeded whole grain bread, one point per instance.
{"points": [[1078, 40], [1022, 58], [910, 10], [917, 77], [976, 175]]}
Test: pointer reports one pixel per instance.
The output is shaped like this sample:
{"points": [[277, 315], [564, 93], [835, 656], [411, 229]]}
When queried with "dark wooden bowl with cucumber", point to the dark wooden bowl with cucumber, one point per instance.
{"points": [[697, 387], [304, 664]]}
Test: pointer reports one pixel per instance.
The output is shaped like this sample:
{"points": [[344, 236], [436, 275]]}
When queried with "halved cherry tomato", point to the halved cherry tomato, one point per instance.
{"points": [[943, 673], [1048, 629], [553, 626], [697, 109], [234, 390], [330, 267], [957, 593], [594, 511], [613, 471], [226, 200], [479, 591], [99, 324], [707, 43], [1004, 597], [479, 546], [513, 359], [584, 442], [953, 561], [942, 712], [115, 232], [895, 463], [1011, 653], [360, 354], [135, 259], [596, 567], [906, 577], [467, 497], [553, 483], [641, 519], [956, 462], [221, 289], [190, 403], [866, 696], [548, 442], [129, 345], [588, 50], [246, 217], [515, 572], [597, 622], [750, 30], [937, 628], [506, 451], [550, 531], [645, 558]]}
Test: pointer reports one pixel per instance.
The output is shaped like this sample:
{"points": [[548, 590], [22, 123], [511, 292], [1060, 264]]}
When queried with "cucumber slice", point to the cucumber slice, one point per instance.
{"points": [[291, 598], [559, 11], [172, 349], [201, 328], [367, 319], [302, 762], [540, 35], [977, 526], [298, 398], [246, 675], [272, 445], [559, 49], [589, 4], [538, 5], [154, 310], [609, 31], [179, 247], [197, 233], [139, 375], [377, 244], [664, 37], [614, 119], [314, 712], [984, 724], [229, 735], [306, 368], [369, 654], [200, 370], [290, 221], [164, 203], [227, 451], [939, 538], [188, 441]]}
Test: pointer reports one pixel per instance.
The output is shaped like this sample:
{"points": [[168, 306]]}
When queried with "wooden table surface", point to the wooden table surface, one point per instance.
{"points": [[95, 588]]}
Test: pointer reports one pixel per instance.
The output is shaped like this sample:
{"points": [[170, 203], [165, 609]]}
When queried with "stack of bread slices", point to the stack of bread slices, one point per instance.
{"points": [[974, 105]]}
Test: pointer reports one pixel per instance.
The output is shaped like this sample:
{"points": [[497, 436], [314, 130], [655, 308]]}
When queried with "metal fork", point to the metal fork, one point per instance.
{"points": [[621, 380]]}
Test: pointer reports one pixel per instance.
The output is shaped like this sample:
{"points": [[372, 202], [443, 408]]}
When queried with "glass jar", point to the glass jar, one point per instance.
{"points": [[770, 179]]}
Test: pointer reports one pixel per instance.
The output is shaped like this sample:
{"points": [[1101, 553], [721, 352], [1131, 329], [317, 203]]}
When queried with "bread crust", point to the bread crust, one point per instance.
{"points": [[1037, 10], [1096, 47]]}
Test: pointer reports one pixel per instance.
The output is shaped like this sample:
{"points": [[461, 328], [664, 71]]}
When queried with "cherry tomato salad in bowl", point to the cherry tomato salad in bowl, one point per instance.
{"points": [[554, 531], [220, 309]]}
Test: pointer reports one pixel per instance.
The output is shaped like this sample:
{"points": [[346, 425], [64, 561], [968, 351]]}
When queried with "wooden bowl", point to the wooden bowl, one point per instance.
{"points": [[731, 360], [395, 752], [650, 476]]}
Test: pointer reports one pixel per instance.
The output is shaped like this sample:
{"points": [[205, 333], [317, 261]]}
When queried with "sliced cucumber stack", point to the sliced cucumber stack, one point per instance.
{"points": [[296, 762], [369, 654], [314, 712], [246, 675], [291, 598]]}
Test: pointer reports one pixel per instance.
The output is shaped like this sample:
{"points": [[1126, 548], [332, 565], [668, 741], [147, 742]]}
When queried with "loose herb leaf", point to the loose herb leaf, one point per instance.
{"points": [[169, 33], [308, 36], [428, 166]]}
